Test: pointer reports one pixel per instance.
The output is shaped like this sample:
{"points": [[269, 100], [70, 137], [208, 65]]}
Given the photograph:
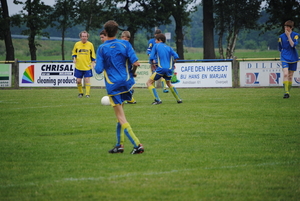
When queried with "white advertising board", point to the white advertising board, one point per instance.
{"points": [[217, 74], [47, 75], [264, 73], [62, 75]]}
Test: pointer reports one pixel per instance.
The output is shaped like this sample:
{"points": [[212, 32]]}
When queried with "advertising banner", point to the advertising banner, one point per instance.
{"points": [[62, 75], [47, 75], [264, 74], [5, 75], [217, 74]]}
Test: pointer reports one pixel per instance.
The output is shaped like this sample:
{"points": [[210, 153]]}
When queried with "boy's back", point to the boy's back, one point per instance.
{"points": [[164, 55]]}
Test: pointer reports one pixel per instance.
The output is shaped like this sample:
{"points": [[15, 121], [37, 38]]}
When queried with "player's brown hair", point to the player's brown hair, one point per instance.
{"points": [[157, 31], [103, 33], [289, 23], [161, 37], [111, 28]]}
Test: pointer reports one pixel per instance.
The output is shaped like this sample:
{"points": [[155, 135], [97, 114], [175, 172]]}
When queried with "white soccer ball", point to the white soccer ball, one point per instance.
{"points": [[105, 100]]}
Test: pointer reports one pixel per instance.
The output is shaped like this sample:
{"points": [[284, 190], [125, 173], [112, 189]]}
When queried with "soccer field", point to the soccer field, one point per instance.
{"points": [[219, 144]]}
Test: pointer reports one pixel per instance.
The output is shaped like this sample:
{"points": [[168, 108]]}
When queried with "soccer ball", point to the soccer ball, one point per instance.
{"points": [[105, 100]]}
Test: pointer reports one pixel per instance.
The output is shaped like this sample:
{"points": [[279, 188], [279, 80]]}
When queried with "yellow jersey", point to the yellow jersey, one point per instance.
{"points": [[85, 54]]}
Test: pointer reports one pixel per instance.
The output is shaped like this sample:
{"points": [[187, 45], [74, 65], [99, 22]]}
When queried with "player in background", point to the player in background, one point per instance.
{"points": [[288, 55], [112, 59], [151, 43], [163, 57], [103, 36], [83, 55], [126, 36]]}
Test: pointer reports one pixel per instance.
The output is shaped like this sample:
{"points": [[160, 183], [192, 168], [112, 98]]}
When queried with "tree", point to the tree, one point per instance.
{"points": [[135, 15], [36, 16], [181, 13], [280, 11], [92, 13], [231, 16], [5, 31], [64, 14], [208, 30]]}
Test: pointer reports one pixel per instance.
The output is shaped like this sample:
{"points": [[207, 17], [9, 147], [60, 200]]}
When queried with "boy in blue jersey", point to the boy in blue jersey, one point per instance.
{"points": [[113, 57], [163, 57], [151, 43], [288, 55]]}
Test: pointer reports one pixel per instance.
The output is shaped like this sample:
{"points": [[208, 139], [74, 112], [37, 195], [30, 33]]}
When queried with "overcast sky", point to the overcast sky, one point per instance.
{"points": [[14, 9]]}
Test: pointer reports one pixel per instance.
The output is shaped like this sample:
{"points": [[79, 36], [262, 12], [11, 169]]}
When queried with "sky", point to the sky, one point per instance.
{"points": [[14, 9]]}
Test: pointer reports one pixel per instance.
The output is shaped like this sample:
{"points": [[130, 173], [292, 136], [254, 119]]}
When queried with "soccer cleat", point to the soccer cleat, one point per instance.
{"points": [[286, 95], [117, 149], [179, 101], [137, 150], [87, 96], [80, 95], [134, 102], [156, 102], [166, 91]]}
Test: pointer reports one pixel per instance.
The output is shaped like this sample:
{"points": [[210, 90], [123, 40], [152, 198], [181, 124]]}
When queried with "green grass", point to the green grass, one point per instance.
{"points": [[220, 144]]}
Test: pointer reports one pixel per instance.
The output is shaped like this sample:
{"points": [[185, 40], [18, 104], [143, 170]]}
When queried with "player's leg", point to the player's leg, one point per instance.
{"points": [[174, 91], [125, 127], [79, 75], [292, 69], [152, 89], [291, 74], [119, 148], [132, 101], [285, 70], [164, 85], [87, 82]]}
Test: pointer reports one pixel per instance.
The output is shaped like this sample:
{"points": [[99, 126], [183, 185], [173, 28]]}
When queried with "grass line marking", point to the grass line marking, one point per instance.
{"points": [[149, 173]]}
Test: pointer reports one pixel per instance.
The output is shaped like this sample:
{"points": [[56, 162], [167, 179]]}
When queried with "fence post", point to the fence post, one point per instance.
{"points": [[15, 67], [235, 67]]}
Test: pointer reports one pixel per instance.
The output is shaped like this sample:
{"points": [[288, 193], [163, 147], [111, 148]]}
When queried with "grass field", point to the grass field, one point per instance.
{"points": [[220, 144]]}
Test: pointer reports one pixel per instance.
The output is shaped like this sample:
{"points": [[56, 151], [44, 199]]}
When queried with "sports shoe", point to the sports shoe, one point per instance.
{"points": [[286, 95], [179, 101], [134, 102], [137, 150], [87, 96], [166, 91], [117, 149], [80, 95], [156, 102]]}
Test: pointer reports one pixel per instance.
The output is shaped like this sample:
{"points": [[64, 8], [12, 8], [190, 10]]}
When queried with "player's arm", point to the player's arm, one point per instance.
{"points": [[99, 67], [74, 53], [135, 65], [279, 44]]}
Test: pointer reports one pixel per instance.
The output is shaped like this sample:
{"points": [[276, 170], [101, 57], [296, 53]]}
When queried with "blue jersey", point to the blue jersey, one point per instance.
{"points": [[163, 55], [151, 43], [287, 53], [113, 59]]}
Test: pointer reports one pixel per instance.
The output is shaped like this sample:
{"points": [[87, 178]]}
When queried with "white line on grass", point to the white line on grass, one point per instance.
{"points": [[45, 106], [147, 173]]}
